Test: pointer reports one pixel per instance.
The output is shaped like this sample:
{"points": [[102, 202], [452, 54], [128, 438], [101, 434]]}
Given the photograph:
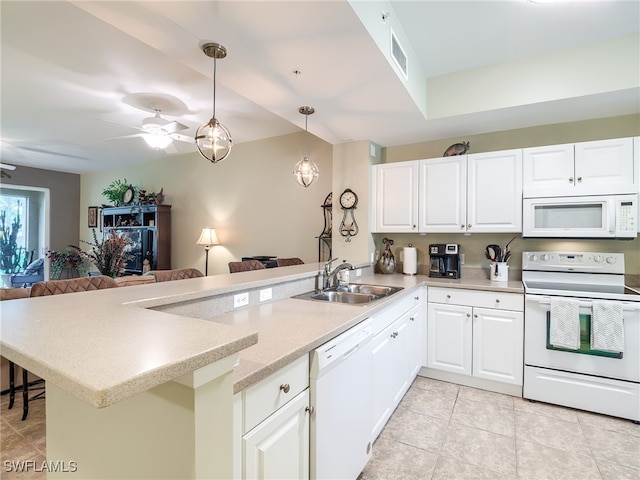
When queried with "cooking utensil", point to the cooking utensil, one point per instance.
{"points": [[495, 252]]}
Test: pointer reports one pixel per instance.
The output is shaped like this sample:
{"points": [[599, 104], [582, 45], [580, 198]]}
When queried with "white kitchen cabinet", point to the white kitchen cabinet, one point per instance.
{"points": [[476, 333], [398, 354], [443, 194], [271, 425], [395, 197], [278, 448], [471, 193], [586, 168]]}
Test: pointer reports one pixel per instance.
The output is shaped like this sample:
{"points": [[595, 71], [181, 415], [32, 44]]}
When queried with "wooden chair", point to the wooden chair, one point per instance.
{"points": [[245, 266], [285, 262], [51, 287], [177, 274]]}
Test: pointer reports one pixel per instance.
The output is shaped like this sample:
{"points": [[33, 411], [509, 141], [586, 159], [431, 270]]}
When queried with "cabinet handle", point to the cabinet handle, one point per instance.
{"points": [[412, 319], [416, 298], [309, 410], [475, 315], [468, 314], [497, 300], [461, 227], [414, 227], [570, 179], [468, 225], [285, 387], [448, 296], [579, 179], [394, 334]]}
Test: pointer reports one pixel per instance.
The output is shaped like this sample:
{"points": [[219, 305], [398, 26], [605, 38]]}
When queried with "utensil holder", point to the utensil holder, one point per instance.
{"points": [[499, 272]]}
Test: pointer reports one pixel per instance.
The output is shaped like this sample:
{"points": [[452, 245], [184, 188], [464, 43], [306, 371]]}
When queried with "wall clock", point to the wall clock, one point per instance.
{"points": [[127, 197], [348, 203]]}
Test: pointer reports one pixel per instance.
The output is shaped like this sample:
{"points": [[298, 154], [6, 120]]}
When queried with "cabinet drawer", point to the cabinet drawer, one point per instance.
{"points": [[477, 298], [268, 395], [380, 320]]}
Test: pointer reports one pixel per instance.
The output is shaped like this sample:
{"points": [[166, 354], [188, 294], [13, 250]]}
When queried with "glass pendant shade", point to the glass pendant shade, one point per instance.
{"points": [[306, 172], [214, 141]]}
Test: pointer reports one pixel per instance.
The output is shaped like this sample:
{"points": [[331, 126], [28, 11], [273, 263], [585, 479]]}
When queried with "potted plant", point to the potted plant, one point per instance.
{"points": [[116, 190]]}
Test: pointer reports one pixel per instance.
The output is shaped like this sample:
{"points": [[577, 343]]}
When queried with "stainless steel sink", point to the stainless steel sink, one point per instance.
{"points": [[354, 293]]}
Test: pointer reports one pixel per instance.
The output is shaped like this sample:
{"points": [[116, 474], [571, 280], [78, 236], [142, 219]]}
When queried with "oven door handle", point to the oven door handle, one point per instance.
{"points": [[631, 307]]}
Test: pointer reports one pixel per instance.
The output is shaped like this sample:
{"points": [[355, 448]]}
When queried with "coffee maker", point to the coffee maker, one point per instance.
{"points": [[444, 260]]}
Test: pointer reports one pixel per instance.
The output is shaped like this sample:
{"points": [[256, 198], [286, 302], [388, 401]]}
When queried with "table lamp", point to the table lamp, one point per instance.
{"points": [[208, 238]]}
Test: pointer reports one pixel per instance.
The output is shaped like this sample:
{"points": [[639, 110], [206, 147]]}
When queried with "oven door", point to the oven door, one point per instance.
{"points": [[539, 353]]}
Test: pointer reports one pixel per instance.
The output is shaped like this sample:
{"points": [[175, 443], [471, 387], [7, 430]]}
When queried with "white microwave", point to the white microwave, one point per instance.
{"points": [[601, 216]]}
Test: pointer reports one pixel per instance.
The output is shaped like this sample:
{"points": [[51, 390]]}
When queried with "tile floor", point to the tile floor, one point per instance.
{"points": [[440, 431], [443, 431], [22, 441]]}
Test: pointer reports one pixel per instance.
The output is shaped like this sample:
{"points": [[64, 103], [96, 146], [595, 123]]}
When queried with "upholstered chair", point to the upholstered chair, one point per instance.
{"points": [[245, 266]]}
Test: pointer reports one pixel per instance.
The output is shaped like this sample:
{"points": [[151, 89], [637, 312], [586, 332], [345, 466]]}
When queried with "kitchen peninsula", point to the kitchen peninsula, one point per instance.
{"points": [[133, 373]]}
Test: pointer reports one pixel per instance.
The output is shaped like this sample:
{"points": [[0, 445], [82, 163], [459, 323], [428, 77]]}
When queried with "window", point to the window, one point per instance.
{"points": [[22, 226]]}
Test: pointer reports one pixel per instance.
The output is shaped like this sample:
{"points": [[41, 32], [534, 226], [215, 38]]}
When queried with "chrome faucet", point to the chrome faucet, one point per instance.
{"points": [[330, 277]]}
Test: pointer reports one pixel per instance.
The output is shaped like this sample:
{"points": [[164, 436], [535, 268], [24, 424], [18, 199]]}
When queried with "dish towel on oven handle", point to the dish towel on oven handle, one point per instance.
{"points": [[607, 326], [564, 325]]}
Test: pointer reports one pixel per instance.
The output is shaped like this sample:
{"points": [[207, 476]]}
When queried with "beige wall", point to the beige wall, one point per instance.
{"points": [[473, 245], [251, 198]]}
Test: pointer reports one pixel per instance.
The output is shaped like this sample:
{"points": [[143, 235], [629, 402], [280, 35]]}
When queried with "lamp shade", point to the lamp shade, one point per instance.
{"points": [[208, 237]]}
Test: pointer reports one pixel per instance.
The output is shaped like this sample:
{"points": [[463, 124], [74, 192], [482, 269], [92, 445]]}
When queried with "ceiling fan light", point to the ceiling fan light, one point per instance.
{"points": [[157, 141], [306, 172], [214, 141]]}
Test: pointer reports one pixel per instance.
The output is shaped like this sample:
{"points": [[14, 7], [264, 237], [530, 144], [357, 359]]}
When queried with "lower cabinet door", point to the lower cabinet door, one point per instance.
{"points": [[278, 448], [497, 345], [449, 338]]}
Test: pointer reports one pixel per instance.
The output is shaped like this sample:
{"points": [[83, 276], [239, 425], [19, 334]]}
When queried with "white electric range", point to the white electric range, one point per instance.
{"points": [[599, 381]]}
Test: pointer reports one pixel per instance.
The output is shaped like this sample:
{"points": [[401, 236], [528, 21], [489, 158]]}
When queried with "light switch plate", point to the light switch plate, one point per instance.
{"points": [[241, 299]]}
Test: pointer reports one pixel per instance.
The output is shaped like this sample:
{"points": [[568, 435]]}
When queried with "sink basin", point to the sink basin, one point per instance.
{"points": [[354, 293]]}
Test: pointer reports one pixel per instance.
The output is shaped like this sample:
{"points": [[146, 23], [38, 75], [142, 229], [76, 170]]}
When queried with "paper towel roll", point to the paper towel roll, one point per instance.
{"points": [[410, 262]]}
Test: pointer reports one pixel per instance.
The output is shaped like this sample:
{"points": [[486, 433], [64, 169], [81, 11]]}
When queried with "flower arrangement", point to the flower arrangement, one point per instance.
{"points": [[70, 259], [110, 256]]}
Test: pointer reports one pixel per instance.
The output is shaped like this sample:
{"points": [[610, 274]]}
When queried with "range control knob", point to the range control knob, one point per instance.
{"points": [[534, 258], [611, 260], [544, 257], [598, 259]]}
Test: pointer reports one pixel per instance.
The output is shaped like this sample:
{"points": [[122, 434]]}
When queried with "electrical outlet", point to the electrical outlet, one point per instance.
{"points": [[358, 272], [241, 299], [265, 294], [462, 259]]}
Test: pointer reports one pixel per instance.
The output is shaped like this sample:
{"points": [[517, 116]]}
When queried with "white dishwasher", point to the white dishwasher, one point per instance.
{"points": [[341, 387]]}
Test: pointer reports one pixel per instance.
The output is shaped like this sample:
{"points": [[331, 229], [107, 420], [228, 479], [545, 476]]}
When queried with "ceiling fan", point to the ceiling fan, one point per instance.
{"points": [[159, 133]]}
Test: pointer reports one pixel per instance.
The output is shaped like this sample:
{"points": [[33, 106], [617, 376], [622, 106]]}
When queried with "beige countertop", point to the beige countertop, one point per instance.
{"points": [[104, 346]]}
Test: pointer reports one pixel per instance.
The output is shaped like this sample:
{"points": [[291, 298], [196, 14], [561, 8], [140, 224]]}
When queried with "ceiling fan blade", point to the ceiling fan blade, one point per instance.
{"points": [[124, 136], [6, 166], [173, 127], [122, 124], [182, 138]]}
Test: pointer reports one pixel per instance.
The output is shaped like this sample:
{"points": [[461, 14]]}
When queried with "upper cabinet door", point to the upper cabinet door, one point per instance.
{"points": [[494, 191], [395, 197], [605, 167], [443, 194], [549, 168]]}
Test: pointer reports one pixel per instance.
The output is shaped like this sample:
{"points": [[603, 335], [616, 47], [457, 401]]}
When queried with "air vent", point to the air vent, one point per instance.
{"points": [[398, 55]]}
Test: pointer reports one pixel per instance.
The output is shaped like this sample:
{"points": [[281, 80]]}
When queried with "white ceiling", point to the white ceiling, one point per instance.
{"points": [[75, 74]]}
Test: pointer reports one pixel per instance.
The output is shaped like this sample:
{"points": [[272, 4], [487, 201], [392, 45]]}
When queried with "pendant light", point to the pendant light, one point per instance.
{"points": [[306, 172], [213, 139]]}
